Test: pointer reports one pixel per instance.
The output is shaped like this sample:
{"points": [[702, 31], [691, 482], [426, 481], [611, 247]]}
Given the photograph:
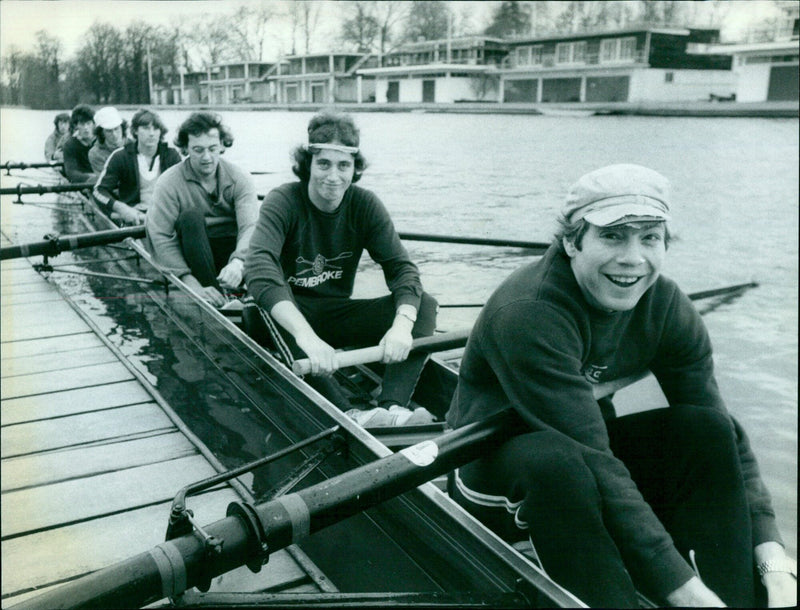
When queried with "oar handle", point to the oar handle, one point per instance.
{"points": [[424, 345]]}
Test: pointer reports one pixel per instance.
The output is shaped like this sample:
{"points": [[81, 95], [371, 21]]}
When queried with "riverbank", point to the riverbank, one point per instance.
{"points": [[790, 109], [769, 110]]}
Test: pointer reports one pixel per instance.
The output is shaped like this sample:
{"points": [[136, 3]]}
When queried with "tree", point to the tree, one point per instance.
{"points": [[360, 28], [99, 62], [248, 26], [510, 19], [427, 20], [208, 40]]}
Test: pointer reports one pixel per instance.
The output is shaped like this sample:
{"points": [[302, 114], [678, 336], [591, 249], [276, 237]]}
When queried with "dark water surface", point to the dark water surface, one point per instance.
{"points": [[735, 213]]}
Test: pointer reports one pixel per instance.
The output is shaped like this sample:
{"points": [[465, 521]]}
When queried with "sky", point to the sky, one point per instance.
{"points": [[69, 19]]}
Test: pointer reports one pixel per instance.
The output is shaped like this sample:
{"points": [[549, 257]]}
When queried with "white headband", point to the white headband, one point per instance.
{"points": [[350, 150]]}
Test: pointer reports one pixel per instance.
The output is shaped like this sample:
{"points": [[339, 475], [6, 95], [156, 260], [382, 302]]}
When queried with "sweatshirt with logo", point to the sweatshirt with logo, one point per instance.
{"points": [[297, 248]]}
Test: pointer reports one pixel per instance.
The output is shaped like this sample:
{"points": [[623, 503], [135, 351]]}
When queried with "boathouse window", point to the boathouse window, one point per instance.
{"points": [[627, 48], [563, 53], [579, 51], [523, 56], [608, 49], [669, 77]]}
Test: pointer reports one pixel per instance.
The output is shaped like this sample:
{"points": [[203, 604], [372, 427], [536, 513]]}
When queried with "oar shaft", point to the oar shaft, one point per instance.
{"points": [[57, 244], [424, 345], [20, 165], [477, 241], [182, 563], [41, 189]]}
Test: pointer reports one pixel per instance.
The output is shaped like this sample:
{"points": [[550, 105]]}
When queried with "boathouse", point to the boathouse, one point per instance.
{"points": [[440, 71], [238, 82], [634, 64], [323, 78], [767, 65]]}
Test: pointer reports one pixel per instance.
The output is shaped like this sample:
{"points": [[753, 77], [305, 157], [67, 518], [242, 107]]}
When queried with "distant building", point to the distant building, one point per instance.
{"points": [[624, 65], [238, 82], [442, 71], [323, 78], [768, 70], [181, 91]]}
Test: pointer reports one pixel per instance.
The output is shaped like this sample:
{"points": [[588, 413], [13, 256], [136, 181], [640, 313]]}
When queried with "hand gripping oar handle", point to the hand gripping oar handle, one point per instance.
{"points": [[423, 345]]}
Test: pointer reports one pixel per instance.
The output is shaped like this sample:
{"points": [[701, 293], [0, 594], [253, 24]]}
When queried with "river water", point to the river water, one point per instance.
{"points": [[735, 184]]}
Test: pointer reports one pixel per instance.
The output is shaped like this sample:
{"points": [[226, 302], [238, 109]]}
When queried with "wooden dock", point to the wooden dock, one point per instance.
{"points": [[92, 457]]}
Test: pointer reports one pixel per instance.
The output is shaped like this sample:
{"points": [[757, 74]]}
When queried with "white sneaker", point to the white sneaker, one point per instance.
{"points": [[371, 418]]}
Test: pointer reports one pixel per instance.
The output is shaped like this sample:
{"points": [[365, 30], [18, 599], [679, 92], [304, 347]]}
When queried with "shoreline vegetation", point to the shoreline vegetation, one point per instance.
{"points": [[787, 109]]}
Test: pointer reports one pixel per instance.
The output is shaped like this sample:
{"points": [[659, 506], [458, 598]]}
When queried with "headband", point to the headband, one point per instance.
{"points": [[350, 150]]}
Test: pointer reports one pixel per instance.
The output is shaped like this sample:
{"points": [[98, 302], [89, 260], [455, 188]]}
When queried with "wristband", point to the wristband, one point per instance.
{"points": [[781, 564]]}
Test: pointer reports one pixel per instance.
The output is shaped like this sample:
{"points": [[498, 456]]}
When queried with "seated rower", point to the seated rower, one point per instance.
{"points": [[110, 130], [615, 504], [302, 264], [77, 168], [209, 259], [126, 183], [54, 145]]}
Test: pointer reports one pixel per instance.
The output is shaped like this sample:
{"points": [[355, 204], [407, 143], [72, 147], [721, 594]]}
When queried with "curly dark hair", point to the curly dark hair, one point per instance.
{"points": [[327, 128], [80, 114], [199, 123], [147, 117], [61, 116]]}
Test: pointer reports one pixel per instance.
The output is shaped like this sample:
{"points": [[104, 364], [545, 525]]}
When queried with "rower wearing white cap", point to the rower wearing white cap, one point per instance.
{"points": [[110, 129], [666, 501]]}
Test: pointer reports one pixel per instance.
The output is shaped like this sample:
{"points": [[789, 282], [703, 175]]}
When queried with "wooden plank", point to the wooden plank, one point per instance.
{"points": [[62, 361], [42, 296], [13, 263], [57, 381], [70, 402], [51, 434], [8, 291], [20, 275], [73, 463], [50, 345], [12, 330], [28, 561], [71, 501]]}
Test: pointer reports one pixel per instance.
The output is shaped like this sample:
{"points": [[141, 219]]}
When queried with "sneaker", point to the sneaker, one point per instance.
{"points": [[371, 418], [420, 416], [232, 305], [400, 415]]}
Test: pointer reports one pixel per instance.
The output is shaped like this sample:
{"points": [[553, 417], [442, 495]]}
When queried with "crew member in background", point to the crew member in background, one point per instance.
{"points": [[126, 183], [54, 145], [302, 264], [110, 130], [77, 168], [613, 504], [209, 259]]}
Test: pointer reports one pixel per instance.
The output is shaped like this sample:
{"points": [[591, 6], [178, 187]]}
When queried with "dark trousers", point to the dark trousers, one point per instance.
{"points": [[685, 463], [360, 323], [206, 250]]}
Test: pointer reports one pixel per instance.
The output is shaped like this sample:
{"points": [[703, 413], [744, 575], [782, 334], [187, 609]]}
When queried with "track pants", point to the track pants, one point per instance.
{"points": [[205, 249], [685, 463]]}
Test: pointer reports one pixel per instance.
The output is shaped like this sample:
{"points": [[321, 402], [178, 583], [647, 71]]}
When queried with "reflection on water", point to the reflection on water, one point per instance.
{"points": [[735, 185]]}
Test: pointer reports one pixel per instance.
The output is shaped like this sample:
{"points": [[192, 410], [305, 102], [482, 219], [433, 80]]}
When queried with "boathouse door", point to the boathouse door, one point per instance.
{"points": [[784, 83], [429, 91], [393, 91]]}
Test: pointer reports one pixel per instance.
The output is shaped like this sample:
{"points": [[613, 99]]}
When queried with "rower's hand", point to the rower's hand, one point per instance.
{"points": [[209, 293], [397, 340], [130, 216], [231, 274], [781, 586], [694, 594], [321, 356]]}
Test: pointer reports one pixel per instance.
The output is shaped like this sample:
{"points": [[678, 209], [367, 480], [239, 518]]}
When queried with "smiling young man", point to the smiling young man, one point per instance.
{"points": [[302, 264], [611, 504], [210, 260]]}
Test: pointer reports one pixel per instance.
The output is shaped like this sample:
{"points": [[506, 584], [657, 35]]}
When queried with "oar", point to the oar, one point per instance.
{"points": [[477, 241], [57, 244], [423, 345], [41, 189], [250, 533], [695, 296], [9, 165]]}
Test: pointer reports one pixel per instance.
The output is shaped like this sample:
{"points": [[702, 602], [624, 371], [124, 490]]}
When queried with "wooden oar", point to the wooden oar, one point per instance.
{"points": [[9, 165], [250, 533], [56, 244], [477, 241], [423, 345], [694, 296], [41, 189]]}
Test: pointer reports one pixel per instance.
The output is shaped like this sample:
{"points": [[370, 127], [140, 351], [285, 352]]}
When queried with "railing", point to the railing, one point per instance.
{"points": [[590, 59]]}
